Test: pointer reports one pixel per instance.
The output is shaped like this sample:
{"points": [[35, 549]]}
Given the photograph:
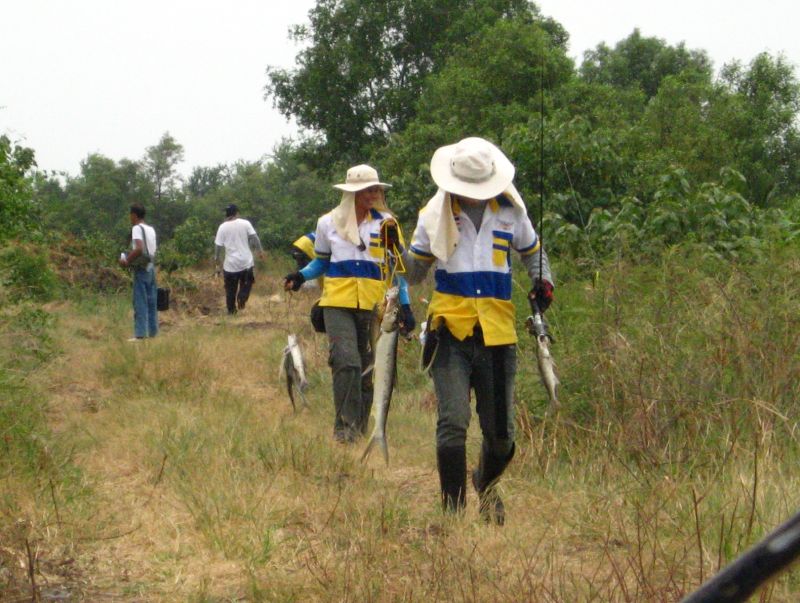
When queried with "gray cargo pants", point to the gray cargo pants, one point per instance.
{"points": [[349, 356], [489, 370]]}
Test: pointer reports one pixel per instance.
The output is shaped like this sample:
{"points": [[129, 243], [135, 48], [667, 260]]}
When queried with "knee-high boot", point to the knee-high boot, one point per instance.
{"points": [[452, 462], [485, 478]]}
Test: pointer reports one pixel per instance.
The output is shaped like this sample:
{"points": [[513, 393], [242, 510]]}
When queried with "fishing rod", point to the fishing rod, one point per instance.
{"points": [[742, 577], [535, 323], [541, 160], [541, 325]]}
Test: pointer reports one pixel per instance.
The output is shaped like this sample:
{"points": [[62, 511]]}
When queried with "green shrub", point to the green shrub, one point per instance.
{"points": [[191, 243], [27, 275]]}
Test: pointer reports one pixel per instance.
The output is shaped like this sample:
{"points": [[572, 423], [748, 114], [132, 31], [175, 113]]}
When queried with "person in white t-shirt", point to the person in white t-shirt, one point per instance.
{"points": [[143, 245], [234, 240]]}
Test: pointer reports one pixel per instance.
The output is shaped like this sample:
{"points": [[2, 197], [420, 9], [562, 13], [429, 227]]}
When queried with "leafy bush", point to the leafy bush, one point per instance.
{"points": [[27, 275], [17, 210], [193, 240], [714, 219]]}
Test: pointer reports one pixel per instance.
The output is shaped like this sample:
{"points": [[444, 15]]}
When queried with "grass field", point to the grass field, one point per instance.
{"points": [[175, 469]]}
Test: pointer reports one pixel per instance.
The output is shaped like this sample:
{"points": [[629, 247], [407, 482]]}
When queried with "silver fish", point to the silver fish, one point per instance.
{"points": [[544, 359], [384, 376], [293, 369], [374, 334]]}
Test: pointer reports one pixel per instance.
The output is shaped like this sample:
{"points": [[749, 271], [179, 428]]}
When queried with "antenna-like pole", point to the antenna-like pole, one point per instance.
{"points": [[541, 156]]}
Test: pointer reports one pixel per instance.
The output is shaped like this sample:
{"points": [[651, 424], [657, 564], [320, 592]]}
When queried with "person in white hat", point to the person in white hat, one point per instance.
{"points": [[468, 230], [350, 244]]}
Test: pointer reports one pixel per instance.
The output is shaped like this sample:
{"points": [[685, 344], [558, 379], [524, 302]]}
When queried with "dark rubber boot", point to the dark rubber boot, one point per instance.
{"points": [[453, 477], [485, 479]]}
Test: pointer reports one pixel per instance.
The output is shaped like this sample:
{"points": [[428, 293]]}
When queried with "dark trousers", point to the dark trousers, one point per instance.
{"points": [[350, 355], [237, 288], [461, 366]]}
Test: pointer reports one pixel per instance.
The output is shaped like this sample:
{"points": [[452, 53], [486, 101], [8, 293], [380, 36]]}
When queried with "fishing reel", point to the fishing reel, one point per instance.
{"points": [[536, 324]]}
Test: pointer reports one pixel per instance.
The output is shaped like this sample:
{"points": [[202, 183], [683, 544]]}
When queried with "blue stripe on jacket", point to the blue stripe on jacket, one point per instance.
{"points": [[355, 268], [529, 247], [419, 252], [474, 284]]}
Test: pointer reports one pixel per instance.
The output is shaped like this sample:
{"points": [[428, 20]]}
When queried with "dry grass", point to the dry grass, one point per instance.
{"points": [[177, 471]]}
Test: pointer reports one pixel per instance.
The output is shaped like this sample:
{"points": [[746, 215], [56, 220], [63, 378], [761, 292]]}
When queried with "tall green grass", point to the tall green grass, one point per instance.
{"points": [[179, 463]]}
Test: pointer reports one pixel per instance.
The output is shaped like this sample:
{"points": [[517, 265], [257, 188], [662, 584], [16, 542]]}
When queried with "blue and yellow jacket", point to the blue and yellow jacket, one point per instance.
{"points": [[474, 285], [354, 275]]}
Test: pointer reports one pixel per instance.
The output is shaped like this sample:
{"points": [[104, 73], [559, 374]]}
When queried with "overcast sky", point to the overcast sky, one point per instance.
{"points": [[111, 76]]}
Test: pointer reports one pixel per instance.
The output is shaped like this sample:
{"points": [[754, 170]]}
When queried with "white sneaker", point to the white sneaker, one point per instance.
{"points": [[136, 339]]}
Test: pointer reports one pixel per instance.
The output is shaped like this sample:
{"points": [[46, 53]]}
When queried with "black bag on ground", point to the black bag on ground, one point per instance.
{"points": [[162, 299], [317, 318]]}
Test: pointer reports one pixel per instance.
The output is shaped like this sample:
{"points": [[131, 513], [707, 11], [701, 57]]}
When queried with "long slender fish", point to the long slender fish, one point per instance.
{"points": [[384, 375], [294, 370], [538, 328], [374, 334]]}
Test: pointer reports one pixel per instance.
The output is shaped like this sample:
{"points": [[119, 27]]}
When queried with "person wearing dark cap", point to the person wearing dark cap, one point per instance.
{"points": [[235, 238]]}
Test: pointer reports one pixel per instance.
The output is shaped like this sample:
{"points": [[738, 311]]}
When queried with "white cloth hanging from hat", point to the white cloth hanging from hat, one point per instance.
{"points": [[344, 217], [440, 225], [354, 277], [358, 178]]}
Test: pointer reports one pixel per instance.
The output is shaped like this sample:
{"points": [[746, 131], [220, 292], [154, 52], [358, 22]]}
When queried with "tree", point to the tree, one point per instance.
{"points": [[97, 200], [488, 88], [366, 61], [762, 121], [205, 180], [160, 162], [642, 62], [168, 209], [17, 209]]}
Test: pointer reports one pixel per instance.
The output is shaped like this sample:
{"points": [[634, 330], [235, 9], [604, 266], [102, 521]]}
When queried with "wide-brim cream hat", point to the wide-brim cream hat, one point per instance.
{"points": [[360, 177], [473, 168]]}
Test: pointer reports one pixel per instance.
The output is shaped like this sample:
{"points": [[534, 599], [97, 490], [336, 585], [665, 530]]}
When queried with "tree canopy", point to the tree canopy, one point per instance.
{"points": [[366, 62], [17, 209], [633, 136]]}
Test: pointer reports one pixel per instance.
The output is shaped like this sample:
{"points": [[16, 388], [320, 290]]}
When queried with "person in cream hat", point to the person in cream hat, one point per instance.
{"points": [[352, 243], [360, 177], [468, 230]]}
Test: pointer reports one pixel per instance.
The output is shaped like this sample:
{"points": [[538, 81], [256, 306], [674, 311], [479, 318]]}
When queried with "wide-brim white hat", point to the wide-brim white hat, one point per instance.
{"points": [[360, 177], [473, 168]]}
